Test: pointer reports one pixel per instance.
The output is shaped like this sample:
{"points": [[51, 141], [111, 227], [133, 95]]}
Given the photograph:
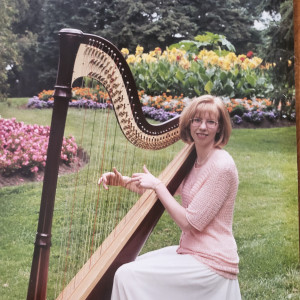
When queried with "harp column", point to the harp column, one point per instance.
{"points": [[63, 91]]}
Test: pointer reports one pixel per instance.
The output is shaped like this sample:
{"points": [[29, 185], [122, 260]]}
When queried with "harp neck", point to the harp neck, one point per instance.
{"points": [[92, 56]]}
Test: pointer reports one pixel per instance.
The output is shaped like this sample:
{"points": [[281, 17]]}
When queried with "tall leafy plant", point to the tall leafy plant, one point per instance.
{"points": [[208, 40], [185, 70]]}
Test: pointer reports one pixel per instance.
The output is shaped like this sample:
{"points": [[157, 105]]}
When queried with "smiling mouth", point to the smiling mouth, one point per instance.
{"points": [[201, 134]]}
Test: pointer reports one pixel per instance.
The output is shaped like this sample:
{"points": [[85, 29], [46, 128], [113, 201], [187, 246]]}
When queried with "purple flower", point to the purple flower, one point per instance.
{"points": [[158, 114], [237, 120], [271, 115], [255, 117]]}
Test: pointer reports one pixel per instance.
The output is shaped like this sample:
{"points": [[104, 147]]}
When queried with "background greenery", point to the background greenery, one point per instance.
{"points": [[29, 32], [265, 223]]}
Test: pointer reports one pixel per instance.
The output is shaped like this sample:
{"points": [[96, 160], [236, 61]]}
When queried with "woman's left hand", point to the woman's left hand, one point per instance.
{"points": [[145, 180]]}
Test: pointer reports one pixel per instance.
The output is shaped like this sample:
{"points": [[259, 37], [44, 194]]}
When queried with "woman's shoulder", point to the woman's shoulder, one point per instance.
{"points": [[223, 160]]}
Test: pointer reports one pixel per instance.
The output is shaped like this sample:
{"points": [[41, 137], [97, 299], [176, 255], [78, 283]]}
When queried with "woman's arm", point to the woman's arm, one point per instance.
{"points": [[176, 211]]}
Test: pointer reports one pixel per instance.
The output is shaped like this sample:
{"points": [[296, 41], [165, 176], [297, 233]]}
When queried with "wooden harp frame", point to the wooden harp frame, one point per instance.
{"points": [[73, 44]]}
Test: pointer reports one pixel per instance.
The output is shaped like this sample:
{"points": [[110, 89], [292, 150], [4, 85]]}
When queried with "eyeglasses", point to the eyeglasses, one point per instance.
{"points": [[209, 123]]}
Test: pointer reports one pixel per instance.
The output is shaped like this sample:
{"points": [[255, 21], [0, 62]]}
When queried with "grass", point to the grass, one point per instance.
{"points": [[265, 224]]}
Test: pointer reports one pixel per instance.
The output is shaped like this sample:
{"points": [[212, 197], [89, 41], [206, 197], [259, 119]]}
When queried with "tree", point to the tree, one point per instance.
{"points": [[161, 23], [228, 18], [43, 57], [9, 50], [150, 24], [279, 49], [27, 28]]}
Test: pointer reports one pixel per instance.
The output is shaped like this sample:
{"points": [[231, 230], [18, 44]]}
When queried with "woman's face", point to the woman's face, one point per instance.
{"points": [[203, 128]]}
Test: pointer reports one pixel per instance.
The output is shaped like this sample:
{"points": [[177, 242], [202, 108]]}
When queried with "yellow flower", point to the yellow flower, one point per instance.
{"points": [[131, 59], [184, 63], [125, 51], [171, 58], [148, 58], [138, 59], [231, 57], [157, 50], [139, 50]]}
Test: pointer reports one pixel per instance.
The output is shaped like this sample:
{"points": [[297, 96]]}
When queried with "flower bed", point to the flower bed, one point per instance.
{"points": [[23, 148], [165, 107], [215, 72]]}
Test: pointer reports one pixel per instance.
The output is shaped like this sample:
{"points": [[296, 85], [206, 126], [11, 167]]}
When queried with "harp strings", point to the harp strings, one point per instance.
{"points": [[90, 231], [85, 214]]}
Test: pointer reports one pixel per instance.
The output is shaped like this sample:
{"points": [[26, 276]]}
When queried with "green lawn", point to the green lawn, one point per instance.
{"points": [[266, 214]]}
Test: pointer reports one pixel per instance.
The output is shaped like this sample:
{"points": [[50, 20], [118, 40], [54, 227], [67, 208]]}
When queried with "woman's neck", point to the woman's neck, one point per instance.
{"points": [[203, 154]]}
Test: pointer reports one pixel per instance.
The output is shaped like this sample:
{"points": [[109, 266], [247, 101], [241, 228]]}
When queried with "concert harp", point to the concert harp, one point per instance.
{"points": [[86, 55]]}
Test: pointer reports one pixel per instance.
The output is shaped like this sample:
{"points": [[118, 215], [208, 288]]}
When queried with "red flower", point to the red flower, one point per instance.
{"points": [[242, 58], [249, 54]]}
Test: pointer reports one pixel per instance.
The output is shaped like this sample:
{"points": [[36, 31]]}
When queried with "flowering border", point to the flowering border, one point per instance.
{"points": [[165, 107], [23, 148]]}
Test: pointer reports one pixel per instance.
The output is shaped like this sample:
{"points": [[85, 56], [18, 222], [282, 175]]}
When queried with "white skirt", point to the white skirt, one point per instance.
{"points": [[163, 274]]}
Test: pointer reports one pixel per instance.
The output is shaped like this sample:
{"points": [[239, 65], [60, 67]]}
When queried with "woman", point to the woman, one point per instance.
{"points": [[205, 264]]}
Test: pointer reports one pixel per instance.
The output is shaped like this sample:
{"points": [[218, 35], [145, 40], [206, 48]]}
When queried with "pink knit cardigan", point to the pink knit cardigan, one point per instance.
{"points": [[208, 193]]}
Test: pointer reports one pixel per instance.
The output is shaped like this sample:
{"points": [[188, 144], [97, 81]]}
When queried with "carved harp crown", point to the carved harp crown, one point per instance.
{"points": [[89, 55]]}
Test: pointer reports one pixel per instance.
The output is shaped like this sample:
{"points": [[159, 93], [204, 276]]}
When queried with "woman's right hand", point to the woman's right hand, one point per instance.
{"points": [[112, 178]]}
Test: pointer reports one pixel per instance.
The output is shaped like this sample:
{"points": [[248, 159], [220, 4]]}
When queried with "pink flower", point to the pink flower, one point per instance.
{"points": [[24, 145], [34, 169]]}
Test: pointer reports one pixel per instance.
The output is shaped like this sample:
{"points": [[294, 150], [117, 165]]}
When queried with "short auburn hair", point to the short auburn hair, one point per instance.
{"points": [[199, 106]]}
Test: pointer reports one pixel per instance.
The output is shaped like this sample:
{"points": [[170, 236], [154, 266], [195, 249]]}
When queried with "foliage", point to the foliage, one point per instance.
{"points": [[24, 147]]}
